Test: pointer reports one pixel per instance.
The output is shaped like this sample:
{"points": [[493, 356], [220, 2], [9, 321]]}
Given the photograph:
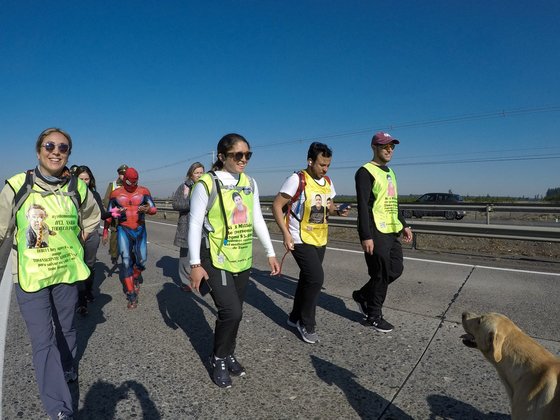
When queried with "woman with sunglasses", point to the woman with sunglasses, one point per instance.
{"points": [[91, 244], [221, 252], [45, 278], [181, 203]]}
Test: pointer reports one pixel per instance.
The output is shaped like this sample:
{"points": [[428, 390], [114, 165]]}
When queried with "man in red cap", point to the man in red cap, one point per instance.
{"points": [[128, 205], [379, 225]]}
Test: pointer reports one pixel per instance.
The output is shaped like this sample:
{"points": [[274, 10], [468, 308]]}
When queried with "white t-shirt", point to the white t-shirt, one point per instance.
{"points": [[199, 201], [289, 187]]}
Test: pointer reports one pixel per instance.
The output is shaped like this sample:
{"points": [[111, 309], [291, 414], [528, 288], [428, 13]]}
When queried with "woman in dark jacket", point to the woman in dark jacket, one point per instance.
{"points": [[181, 203], [91, 245]]}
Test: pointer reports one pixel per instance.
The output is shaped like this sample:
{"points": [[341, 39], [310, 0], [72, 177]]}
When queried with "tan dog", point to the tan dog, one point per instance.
{"points": [[529, 372]]}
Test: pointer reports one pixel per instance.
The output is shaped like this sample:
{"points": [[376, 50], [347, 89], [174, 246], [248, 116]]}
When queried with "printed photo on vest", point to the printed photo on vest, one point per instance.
{"points": [[317, 213], [240, 213], [38, 232]]}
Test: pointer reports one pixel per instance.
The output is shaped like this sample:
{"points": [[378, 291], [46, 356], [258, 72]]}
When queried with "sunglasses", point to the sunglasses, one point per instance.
{"points": [[239, 155], [389, 146], [62, 147]]}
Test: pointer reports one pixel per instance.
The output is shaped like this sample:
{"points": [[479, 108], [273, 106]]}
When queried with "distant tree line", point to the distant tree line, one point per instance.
{"points": [[552, 194]]}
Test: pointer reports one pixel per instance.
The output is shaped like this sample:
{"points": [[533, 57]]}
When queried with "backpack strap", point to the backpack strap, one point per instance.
{"points": [[215, 193], [295, 198]]}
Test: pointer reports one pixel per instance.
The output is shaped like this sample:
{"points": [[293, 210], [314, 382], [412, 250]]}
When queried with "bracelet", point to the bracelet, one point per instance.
{"points": [[196, 265]]}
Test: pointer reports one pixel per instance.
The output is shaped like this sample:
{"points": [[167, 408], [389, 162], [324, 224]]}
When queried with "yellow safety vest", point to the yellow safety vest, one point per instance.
{"points": [[230, 216], [313, 226], [48, 248], [386, 205]]}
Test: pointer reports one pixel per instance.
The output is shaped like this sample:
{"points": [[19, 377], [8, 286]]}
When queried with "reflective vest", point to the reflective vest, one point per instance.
{"points": [[49, 251], [386, 205], [313, 225], [230, 222]]}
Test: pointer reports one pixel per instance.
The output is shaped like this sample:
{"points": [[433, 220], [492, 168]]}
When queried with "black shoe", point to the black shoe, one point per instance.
{"points": [[378, 323], [90, 297], [82, 310], [234, 367], [114, 261], [220, 372], [360, 301]]}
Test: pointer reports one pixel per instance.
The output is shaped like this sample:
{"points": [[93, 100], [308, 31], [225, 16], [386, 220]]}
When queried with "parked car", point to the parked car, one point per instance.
{"points": [[439, 199]]}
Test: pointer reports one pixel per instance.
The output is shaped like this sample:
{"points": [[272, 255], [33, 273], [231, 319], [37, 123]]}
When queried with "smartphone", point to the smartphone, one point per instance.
{"points": [[204, 287], [343, 206]]}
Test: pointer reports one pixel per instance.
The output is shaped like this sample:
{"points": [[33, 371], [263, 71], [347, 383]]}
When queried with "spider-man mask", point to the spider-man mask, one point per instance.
{"points": [[130, 180]]}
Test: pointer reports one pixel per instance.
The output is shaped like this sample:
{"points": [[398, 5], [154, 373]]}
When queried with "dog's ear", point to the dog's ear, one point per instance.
{"points": [[496, 342]]}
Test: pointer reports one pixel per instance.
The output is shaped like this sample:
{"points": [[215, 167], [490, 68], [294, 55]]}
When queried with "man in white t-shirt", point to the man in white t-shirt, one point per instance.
{"points": [[305, 232]]}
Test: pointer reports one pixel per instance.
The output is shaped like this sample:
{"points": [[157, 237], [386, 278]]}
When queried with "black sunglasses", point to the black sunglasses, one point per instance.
{"points": [[239, 155], [62, 147], [388, 146]]}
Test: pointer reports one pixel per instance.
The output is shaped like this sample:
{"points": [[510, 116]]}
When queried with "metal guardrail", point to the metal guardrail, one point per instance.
{"points": [[488, 230]]}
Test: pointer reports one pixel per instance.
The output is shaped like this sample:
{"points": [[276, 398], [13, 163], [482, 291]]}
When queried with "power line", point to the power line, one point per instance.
{"points": [[424, 123]]}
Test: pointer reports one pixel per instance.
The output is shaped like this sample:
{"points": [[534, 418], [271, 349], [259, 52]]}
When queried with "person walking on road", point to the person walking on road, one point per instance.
{"points": [[91, 245], [129, 205], [181, 203], [221, 253], [299, 212], [45, 276], [379, 225], [113, 246]]}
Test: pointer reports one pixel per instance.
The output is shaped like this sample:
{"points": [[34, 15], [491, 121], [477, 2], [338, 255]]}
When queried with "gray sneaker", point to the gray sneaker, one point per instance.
{"points": [[308, 337], [291, 323], [64, 416]]}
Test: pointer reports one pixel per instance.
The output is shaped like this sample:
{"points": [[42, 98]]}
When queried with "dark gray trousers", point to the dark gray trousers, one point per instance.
{"points": [[384, 267], [309, 259], [49, 316]]}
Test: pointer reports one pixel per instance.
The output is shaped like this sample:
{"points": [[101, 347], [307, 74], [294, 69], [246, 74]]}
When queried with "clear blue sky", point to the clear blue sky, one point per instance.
{"points": [[471, 88]]}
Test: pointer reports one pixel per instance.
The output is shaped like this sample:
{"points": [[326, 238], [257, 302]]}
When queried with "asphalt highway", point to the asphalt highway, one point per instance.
{"points": [[150, 363]]}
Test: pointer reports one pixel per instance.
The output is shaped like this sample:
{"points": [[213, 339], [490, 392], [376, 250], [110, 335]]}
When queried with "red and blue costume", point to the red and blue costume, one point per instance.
{"points": [[129, 205]]}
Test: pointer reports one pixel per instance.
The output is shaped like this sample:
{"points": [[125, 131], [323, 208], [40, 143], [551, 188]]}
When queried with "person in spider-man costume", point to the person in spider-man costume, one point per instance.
{"points": [[129, 205]]}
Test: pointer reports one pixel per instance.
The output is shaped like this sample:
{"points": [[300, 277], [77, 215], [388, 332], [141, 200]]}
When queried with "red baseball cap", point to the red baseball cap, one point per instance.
{"points": [[383, 138]]}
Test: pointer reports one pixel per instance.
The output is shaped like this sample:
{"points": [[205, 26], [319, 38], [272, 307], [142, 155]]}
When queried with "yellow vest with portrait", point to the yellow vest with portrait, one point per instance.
{"points": [[386, 205], [313, 226], [230, 220], [48, 246]]}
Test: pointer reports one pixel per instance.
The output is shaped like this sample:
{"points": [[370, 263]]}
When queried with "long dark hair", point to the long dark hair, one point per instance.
{"points": [[84, 168], [225, 144]]}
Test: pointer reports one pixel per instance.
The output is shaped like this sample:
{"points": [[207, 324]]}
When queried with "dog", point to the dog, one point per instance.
{"points": [[529, 372]]}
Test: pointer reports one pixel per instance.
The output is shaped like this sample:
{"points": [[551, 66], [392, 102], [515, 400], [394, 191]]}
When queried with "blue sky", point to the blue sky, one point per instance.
{"points": [[470, 88]]}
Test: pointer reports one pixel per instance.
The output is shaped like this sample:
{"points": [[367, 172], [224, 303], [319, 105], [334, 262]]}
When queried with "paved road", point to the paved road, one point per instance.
{"points": [[148, 363]]}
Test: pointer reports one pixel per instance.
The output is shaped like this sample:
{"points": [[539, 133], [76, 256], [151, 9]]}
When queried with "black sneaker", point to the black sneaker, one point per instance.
{"points": [[220, 372], [234, 367], [82, 310], [90, 297], [360, 301], [378, 323]]}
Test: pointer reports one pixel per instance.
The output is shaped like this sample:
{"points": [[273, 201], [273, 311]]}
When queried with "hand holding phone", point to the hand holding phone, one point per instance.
{"points": [[343, 207], [204, 287]]}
